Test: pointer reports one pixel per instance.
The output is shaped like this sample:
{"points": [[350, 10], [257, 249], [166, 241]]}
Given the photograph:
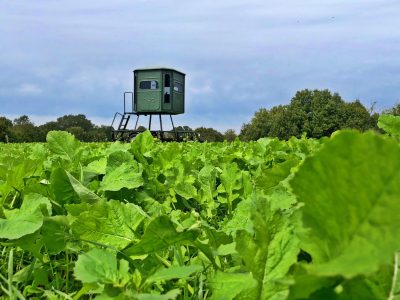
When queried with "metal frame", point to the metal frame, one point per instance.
{"points": [[124, 134]]}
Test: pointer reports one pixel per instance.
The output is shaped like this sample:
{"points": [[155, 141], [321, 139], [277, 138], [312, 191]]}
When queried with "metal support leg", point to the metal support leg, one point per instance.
{"points": [[162, 132], [137, 120], [173, 126], [150, 122]]}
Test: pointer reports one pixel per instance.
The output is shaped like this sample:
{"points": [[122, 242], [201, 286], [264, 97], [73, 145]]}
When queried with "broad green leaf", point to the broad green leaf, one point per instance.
{"points": [[228, 286], [33, 200], [227, 249], [241, 219], [142, 143], [84, 194], [97, 166], [389, 123], [111, 223], [159, 235], [270, 251], [38, 152], [170, 295], [231, 179], [63, 144], [186, 190], [307, 284], [281, 197], [270, 177], [351, 193], [174, 272], [67, 189], [27, 219], [122, 172], [55, 232], [31, 243], [18, 171], [61, 187], [100, 266], [207, 180], [374, 287], [117, 158]]}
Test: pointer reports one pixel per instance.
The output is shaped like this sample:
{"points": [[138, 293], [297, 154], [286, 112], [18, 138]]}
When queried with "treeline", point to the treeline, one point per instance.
{"points": [[22, 129], [316, 113]]}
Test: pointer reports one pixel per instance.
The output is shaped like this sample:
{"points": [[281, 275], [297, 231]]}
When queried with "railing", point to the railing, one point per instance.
{"points": [[112, 124], [132, 104]]}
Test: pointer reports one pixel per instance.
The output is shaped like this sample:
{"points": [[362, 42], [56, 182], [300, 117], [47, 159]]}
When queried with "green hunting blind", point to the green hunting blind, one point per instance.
{"points": [[159, 91], [156, 91]]}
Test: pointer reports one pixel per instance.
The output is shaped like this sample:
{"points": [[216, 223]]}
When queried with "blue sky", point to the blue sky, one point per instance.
{"points": [[69, 57]]}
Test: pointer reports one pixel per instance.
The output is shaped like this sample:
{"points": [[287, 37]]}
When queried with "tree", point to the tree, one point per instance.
{"points": [[209, 134], [45, 128], [141, 128], [356, 116], [78, 125], [230, 135], [78, 132], [23, 130], [69, 121], [316, 113], [277, 122], [5, 127], [22, 120], [183, 128], [395, 110]]}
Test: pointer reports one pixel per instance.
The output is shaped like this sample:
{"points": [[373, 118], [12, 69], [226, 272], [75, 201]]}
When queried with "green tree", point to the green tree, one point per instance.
{"points": [[277, 122], [24, 130], [395, 110], [183, 128], [316, 113], [141, 128], [209, 134], [69, 121], [99, 134], [82, 128], [356, 116], [78, 132], [5, 127], [230, 135], [45, 128]]}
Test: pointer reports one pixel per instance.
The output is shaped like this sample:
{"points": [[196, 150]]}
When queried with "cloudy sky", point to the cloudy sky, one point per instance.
{"points": [[68, 57]]}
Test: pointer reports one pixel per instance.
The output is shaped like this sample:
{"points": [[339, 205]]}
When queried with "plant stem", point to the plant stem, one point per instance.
{"points": [[394, 278]]}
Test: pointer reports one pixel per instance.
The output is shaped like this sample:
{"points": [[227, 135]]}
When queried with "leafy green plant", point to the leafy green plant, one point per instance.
{"points": [[296, 219]]}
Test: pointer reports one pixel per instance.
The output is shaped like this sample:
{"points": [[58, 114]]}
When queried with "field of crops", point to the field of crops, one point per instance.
{"points": [[297, 219]]}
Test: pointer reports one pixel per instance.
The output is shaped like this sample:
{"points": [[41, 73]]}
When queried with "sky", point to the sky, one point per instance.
{"points": [[76, 57]]}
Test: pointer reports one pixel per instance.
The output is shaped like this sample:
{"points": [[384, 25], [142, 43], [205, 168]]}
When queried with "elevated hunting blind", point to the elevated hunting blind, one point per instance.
{"points": [[159, 91], [156, 91]]}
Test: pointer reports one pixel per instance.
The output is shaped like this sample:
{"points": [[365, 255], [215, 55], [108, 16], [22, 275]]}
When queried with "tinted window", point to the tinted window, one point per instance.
{"points": [[178, 87], [167, 98], [148, 85], [167, 80]]}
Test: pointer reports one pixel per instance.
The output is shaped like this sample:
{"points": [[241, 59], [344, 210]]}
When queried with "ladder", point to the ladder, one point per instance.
{"points": [[124, 122]]}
